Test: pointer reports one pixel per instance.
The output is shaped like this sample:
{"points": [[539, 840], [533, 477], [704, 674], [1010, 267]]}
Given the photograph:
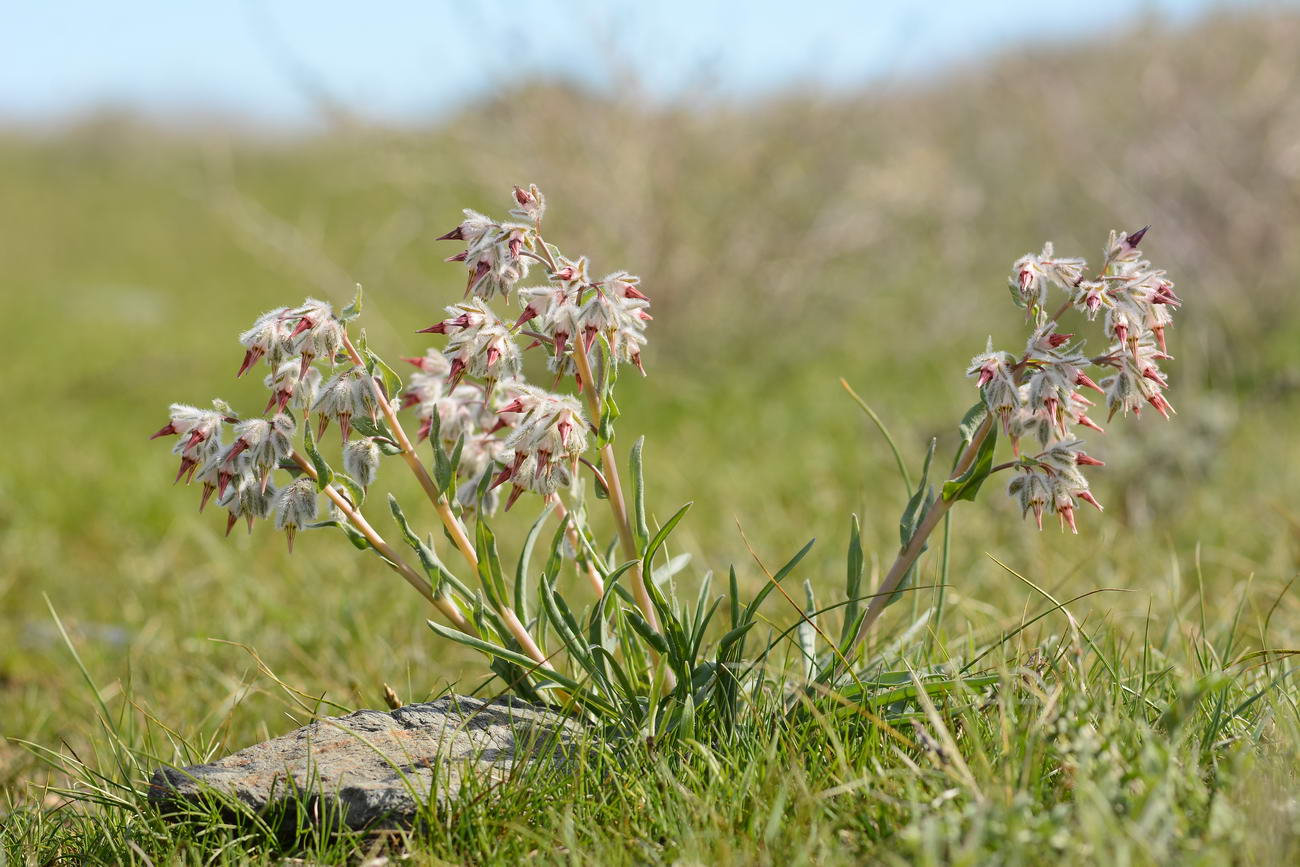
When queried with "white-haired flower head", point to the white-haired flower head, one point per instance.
{"points": [[1122, 247], [1137, 380], [479, 457], [1040, 486], [260, 444], [199, 431], [471, 230], [551, 432], [535, 472], [530, 204], [493, 254], [621, 317], [317, 332], [463, 411], [291, 388], [994, 375], [348, 393], [246, 498], [295, 507], [1032, 274], [361, 460], [432, 363], [269, 336], [478, 344]]}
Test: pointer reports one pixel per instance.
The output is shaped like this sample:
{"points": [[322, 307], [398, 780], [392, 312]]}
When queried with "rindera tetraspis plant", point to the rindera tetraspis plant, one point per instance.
{"points": [[635, 655], [1037, 395]]}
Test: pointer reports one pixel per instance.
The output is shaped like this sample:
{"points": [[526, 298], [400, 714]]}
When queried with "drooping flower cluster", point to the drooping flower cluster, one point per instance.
{"points": [[295, 342], [1039, 394], [545, 433]]}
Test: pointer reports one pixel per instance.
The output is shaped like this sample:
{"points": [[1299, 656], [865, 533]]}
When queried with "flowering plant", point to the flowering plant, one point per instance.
{"points": [[1038, 394], [637, 655]]}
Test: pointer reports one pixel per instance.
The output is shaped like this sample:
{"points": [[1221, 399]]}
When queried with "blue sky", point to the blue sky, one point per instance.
{"points": [[402, 60]]}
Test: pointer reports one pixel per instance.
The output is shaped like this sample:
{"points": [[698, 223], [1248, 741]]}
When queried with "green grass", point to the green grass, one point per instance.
{"points": [[784, 246]]}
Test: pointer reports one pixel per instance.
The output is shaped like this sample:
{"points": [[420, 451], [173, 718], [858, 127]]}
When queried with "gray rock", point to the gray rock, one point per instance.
{"points": [[373, 769]]}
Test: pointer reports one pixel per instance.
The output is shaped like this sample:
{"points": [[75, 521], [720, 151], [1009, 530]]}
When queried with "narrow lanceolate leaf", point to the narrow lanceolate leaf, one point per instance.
{"points": [[355, 492], [638, 493], [525, 555], [574, 687], [433, 568], [780, 575], [324, 475], [377, 367], [489, 567], [353, 310], [808, 633], [853, 580], [662, 536], [967, 485]]}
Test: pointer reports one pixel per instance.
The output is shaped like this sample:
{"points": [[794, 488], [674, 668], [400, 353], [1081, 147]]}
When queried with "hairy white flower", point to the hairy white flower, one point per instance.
{"points": [[361, 460], [493, 255], [199, 431], [478, 343], [346, 394], [291, 388], [1032, 274], [270, 336], [246, 497], [295, 507], [530, 204], [318, 334], [259, 446]]}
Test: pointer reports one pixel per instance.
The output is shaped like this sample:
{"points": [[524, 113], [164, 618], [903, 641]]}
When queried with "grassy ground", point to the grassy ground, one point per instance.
{"points": [[784, 245]]}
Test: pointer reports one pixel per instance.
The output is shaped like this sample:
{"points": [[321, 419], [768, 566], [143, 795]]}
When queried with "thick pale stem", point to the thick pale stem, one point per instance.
{"points": [[908, 555], [449, 520], [571, 533], [394, 560], [617, 503]]}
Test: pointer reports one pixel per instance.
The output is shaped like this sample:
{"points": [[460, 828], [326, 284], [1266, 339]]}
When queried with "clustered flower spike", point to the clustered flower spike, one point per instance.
{"points": [[568, 314], [293, 341], [479, 344], [1039, 393], [547, 438], [494, 255]]}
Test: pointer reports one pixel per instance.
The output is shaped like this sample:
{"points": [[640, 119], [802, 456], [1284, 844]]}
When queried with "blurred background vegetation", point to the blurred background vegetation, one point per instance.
{"points": [[785, 243]]}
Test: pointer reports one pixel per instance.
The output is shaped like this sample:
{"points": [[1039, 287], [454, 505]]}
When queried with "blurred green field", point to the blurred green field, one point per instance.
{"points": [[784, 245]]}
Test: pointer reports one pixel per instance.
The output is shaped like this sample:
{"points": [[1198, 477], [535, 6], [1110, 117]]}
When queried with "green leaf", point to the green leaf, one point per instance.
{"points": [[376, 366], [433, 568], [967, 485], [521, 567], [970, 423], [489, 566], [353, 310], [576, 689], [638, 492], [662, 536], [324, 475], [356, 493], [776, 579], [646, 631], [358, 541], [853, 580]]}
